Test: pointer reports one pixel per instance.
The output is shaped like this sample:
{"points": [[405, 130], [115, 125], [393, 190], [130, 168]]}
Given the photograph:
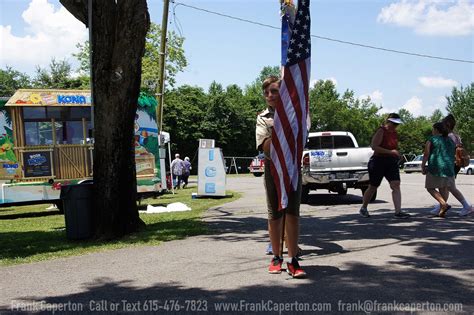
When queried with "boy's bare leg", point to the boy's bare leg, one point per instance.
{"points": [[275, 230], [292, 234]]}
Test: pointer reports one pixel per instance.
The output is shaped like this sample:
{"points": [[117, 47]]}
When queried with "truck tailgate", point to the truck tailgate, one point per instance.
{"points": [[349, 159]]}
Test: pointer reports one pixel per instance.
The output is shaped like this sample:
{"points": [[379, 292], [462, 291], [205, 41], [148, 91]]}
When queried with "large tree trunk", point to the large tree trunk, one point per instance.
{"points": [[118, 42]]}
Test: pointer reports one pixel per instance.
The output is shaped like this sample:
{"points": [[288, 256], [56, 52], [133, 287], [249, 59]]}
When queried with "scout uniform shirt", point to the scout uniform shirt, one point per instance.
{"points": [[264, 127]]}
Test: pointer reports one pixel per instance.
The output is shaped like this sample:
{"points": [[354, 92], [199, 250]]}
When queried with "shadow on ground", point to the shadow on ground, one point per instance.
{"points": [[320, 198], [32, 214], [329, 285], [438, 243]]}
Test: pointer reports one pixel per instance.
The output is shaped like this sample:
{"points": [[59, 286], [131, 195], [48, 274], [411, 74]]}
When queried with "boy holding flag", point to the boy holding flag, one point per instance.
{"points": [[281, 132]]}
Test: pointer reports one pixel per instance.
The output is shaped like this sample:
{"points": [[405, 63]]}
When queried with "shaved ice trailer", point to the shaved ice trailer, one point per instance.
{"points": [[47, 142]]}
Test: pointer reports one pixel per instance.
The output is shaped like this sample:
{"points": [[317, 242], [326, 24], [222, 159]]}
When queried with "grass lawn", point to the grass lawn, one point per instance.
{"points": [[32, 233]]}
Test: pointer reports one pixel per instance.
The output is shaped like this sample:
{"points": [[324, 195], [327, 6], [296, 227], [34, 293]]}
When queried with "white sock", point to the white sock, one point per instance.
{"points": [[289, 260], [466, 204]]}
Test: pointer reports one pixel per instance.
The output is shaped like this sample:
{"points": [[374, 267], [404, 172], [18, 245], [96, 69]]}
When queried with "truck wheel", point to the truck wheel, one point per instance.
{"points": [[342, 192], [257, 174], [304, 194], [469, 171]]}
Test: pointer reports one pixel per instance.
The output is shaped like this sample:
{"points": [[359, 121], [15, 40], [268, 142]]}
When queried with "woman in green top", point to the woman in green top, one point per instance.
{"points": [[439, 153]]}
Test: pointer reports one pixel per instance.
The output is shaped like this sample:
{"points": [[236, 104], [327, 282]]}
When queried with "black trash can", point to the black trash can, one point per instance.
{"points": [[77, 203]]}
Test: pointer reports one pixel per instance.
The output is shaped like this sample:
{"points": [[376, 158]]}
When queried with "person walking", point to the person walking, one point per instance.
{"points": [[440, 171], [384, 163], [186, 171], [177, 170], [264, 127], [450, 122]]}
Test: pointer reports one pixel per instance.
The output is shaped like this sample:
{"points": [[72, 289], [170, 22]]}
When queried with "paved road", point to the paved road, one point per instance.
{"points": [[354, 264]]}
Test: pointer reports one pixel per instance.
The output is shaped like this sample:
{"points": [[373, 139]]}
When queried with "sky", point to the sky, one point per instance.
{"points": [[228, 51]]}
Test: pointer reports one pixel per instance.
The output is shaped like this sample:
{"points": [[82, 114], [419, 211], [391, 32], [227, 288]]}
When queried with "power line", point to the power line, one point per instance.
{"points": [[325, 38]]}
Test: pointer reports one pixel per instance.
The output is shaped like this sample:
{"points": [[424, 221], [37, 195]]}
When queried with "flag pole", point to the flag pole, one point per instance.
{"points": [[287, 16], [282, 233]]}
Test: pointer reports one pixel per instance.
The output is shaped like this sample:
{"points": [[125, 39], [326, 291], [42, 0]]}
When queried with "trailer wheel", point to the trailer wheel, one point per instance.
{"points": [[257, 174]]}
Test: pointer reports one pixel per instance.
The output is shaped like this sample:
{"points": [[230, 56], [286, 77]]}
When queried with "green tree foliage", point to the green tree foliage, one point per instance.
{"points": [[413, 133], [229, 119], [332, 112], [217, 115], [359, 117], [221, 114], [436, 116], [12, 80], [244, 123], [324, 105], [58, 76], [183, 118], [83, 57], [461, 105], [175, 58]]}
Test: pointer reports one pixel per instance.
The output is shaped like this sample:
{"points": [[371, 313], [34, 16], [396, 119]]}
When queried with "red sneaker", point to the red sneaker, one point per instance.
{"points": [[294, 269], [275, 265]]}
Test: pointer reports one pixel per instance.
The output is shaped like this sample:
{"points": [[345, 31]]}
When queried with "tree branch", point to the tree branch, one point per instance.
{"points": [[78, 8]]}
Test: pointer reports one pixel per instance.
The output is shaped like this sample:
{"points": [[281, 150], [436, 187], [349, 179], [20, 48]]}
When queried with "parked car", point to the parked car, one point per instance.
{"points": [[468, 170], [257, 166], [405, 158], [414, 165]]}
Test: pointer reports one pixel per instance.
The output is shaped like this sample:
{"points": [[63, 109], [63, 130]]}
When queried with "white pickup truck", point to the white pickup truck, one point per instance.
{"points": [[332, 160]]}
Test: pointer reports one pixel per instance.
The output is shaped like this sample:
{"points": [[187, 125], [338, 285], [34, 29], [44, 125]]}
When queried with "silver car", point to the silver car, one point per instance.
{"points": [[414, 165], [468, 170]]}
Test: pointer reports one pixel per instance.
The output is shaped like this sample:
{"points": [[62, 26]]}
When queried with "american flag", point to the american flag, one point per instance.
{"points": [[291, 120]]}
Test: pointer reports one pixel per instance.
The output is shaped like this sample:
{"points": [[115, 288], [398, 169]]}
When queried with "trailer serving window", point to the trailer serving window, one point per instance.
{"points": [[62, 125]]}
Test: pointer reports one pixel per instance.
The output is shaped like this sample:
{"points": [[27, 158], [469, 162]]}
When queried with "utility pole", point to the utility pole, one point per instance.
{"points": [[91, 69], [161, 83]]}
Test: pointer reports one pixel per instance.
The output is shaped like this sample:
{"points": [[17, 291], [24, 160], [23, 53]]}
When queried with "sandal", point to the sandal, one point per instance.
{"points": [[443, 210]]}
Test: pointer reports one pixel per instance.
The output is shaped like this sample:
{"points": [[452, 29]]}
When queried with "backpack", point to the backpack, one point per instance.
{"points": [[461, 157]]}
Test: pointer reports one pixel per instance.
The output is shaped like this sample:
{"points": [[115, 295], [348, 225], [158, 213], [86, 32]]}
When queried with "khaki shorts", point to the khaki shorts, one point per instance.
{"points": [[433, 181], [294, 199]]}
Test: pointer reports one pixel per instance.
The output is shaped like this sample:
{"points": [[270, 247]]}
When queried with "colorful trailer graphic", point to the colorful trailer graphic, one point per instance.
{"points": [[46, 141]]}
